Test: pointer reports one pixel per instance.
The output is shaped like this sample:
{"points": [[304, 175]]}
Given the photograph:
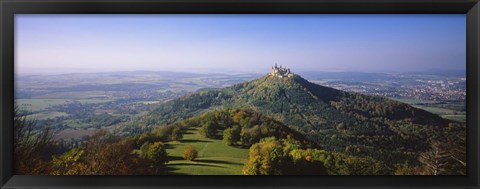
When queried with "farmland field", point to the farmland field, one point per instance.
{"points": [[444, 110], [47, 115], [40, 104]]}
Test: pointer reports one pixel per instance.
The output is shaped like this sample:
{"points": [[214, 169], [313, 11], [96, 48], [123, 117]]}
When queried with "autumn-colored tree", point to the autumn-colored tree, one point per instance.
{"points": [[190, 153], [239, 115], [447, 153], [231, 135], [267, 158], [103, 154], [306, 163], [223, 119], [157, 153], [435, 159], [142, 152], [32, 148], [68, 163], [287, 157], [209, 129], [406, 169], [164, 133], [251, 135], [365, 166], [177, 133], [456, 148]]}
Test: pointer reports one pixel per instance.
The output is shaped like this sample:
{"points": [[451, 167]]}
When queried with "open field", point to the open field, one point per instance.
{"points": [[74, 95], [92, 101], [150, 102], [46, 115], [444, 112], [460, 118], [413, 101], [40, 104], [437, 110], [214, 157]]}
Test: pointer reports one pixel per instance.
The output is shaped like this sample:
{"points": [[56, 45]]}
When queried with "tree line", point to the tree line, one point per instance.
{"points": [[274, 149]]}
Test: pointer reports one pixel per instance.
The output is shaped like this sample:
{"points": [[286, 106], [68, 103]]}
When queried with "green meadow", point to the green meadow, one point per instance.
{"points": [[214, 157]]}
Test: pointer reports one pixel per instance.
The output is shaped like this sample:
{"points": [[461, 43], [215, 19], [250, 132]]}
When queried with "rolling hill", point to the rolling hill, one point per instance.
{"points": [[335, 120]]}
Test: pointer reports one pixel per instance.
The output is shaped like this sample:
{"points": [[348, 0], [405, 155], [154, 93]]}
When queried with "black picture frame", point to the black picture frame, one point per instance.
{"points": [[11, 7]]}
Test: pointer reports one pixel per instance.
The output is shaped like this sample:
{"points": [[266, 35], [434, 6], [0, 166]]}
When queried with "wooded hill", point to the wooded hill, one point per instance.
{"points": [[351, 123]]}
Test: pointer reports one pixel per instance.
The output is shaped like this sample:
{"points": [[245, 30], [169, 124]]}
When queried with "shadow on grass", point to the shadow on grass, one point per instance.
{"points": [[240, 146], [169, 146], [175, 158], [193, 164], [190, 131], [217, 162], [192, 141], [170, 171]]}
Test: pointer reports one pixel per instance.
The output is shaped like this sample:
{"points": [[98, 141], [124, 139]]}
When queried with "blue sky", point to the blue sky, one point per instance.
{"points": [[239, 43]]}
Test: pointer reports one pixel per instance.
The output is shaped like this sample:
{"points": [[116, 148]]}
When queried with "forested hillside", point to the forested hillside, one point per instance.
{"points": [[351, 123]]}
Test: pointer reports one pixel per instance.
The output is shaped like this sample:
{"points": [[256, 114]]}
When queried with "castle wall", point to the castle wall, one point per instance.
{"points": [[281, 72]]}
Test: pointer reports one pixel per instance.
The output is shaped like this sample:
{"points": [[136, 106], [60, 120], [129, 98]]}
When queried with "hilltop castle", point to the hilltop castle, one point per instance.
{"points": [[281, 72]]}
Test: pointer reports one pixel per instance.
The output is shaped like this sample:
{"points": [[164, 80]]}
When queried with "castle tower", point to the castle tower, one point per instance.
{"points": [[281, 72]]}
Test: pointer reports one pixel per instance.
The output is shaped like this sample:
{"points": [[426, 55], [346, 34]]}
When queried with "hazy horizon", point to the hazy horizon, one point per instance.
{"points": [[430, 72], [58, 44]]}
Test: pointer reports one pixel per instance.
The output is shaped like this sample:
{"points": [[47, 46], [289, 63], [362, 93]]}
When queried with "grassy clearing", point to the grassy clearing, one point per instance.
{"points": [[214, 157]]}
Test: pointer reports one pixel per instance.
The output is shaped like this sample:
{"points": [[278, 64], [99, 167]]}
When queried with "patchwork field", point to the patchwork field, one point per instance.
{"points": [[75, 95], [444, 112], [40, 104], [46, 115]]}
